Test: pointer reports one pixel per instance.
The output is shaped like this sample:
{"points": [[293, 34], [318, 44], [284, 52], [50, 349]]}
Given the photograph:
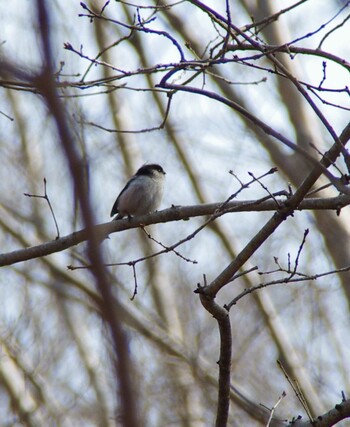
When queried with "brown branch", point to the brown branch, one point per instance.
{"points": [[122, 364], [175, 213], [289, 49], [332, 104], [279, 66], [340, 412], [286, 280], [46, 197], [140, 27], [223, 319], [270, 19], [255, 120], [144, 130], [334, 29], [286, 210], [296, 388], [222, 21]]}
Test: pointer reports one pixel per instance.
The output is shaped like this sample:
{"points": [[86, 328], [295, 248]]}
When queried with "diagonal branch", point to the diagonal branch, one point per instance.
{"points": [[340, 412], [285, 210]]}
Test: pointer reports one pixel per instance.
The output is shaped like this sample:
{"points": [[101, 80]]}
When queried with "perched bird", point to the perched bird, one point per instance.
{"points": [[142, 194]]}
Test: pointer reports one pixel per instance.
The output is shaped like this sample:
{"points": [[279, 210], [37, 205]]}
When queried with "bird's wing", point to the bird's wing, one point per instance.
{"points": [[114, 210]]}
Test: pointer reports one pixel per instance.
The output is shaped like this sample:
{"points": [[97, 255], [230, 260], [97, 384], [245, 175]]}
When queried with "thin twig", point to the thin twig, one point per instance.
{"points": [[264, 186], [273, 409], [335, 28], [296, 278], [7, 116], [296, 388], [150, 129], [135, 282], [46, 197], [247, 184], [296, 262], [167, 248], [243, 273]]}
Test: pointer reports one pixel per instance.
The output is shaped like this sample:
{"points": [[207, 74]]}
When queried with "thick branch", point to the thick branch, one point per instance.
{"points": [[122, 362], [223, 319], [286, 210], [172, 214], [339, 412]]}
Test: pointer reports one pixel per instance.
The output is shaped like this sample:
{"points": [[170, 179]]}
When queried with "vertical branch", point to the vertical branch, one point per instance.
{"points": [[223, 319], [108, 303]]}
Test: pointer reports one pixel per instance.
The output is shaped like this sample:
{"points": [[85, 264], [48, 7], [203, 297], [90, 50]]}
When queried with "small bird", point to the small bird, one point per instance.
{"points": [[142, 193]]}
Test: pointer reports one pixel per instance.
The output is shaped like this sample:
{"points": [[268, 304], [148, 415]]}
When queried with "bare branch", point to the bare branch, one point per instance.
{"points": [[289, 49], [340, 412], [295, 278], [285, 210], [140, 27], [224, 324], [122, 362], [175, 213], [267, 129], [273, 409], [296, 388], [45, 197]]}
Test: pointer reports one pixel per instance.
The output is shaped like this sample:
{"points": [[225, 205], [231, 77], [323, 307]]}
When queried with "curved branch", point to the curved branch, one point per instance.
{"points": [[255, 120]]}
